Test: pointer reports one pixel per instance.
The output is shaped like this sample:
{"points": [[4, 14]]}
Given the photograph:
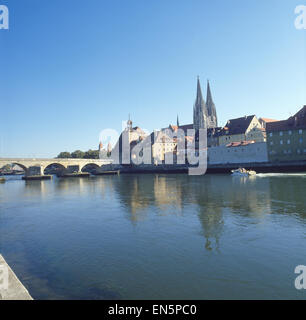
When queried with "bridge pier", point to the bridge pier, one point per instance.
{"points": [[36, 173], [107, 169], [75, 175], [72, 171]]}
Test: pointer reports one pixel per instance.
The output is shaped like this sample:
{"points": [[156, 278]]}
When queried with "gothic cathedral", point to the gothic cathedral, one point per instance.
{"points": [[204, 114]]}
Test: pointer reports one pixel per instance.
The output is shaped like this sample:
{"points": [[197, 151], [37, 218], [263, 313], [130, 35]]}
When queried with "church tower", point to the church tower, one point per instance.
{"points": [[199, 110], [212, 121], [129, 124]]}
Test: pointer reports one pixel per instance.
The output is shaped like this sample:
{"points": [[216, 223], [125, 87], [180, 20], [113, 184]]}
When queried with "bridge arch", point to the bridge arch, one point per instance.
{"points": [[58, 167], [23, 167], [89, 167]]}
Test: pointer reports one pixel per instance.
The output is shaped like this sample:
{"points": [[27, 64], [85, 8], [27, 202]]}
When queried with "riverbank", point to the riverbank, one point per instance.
{"points": [[15, 289], [259, 167]]}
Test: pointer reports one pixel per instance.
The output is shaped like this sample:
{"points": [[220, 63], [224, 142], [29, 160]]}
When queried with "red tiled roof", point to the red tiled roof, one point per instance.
{"points": [[238, 125], [238, 144], [298, 121], [186, 127], [268, 120]]}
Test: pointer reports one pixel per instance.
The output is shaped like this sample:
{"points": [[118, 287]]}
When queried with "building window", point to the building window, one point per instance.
{"points": [[300, 131], [271, 134], [301, 140], [289, 151], [298, 151], [281, 142], [271, 143], [288, 142], [290, 132], [281, 133]]}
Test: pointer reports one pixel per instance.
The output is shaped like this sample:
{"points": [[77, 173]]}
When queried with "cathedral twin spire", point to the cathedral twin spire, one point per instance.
{"points": [[204, 114]]}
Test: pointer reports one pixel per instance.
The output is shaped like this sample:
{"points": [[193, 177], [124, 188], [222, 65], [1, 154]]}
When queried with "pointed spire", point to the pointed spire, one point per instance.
{"points": [[199, 98], [209, 101], [199, 109], [211, 108], [209, 97]]}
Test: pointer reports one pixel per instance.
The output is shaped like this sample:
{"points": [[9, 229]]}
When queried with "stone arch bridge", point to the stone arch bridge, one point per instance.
{"points": [[37, 166]]}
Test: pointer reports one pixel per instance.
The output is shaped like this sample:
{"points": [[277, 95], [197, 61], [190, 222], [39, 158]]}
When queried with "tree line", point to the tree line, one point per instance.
{"points": [[78, 154]]}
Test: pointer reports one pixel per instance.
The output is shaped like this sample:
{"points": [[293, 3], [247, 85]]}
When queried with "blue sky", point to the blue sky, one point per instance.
{"points": [[71, 68]]}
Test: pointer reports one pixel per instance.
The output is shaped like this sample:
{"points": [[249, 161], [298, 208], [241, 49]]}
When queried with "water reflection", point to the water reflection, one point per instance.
{"points": [[172, 194], [37, 188], [154, 229], [208, 196]]}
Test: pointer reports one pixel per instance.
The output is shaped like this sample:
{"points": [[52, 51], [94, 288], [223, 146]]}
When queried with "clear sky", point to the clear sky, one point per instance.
{"points": [[72, 68]]}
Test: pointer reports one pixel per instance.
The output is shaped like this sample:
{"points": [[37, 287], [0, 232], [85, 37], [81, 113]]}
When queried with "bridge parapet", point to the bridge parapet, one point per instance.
{"points": [[36, 167]]}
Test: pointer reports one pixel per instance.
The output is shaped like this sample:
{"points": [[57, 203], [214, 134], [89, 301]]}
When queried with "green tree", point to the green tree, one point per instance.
{"points": [[64, 155], [91, 154], [78, 154]]}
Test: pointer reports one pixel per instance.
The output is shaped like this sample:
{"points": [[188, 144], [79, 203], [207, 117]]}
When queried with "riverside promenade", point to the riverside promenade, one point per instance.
{"points": [[15, 289]]}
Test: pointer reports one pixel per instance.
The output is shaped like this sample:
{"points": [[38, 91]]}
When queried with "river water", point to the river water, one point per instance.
{"points": [[156, 236]]}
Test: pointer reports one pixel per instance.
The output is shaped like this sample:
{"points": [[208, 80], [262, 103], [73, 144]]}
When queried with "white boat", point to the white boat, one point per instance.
{"points": [[243, 172]]}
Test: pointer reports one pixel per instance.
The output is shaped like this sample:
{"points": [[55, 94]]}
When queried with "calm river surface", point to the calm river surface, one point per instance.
{"points": [[156, 236]]}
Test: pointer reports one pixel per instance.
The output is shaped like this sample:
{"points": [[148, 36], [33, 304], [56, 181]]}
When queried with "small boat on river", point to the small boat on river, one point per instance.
{"points": [[243, 172]]}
